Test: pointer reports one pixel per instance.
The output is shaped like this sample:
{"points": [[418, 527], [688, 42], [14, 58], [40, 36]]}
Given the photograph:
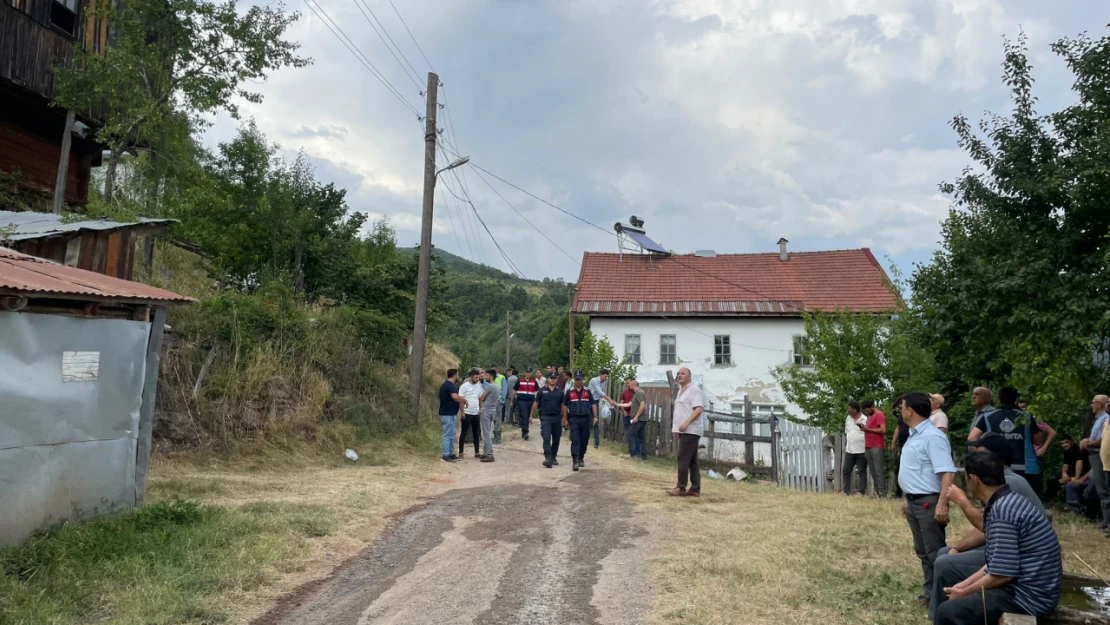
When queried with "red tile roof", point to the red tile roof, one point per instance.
{"points": [[733, 284], [28, 276]]}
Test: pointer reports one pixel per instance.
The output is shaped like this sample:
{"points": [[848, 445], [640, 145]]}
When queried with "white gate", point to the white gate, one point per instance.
{"points": [[803, 457]]}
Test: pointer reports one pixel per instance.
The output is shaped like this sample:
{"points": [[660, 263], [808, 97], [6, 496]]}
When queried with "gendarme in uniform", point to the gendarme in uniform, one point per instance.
{"points": [[549, 403]]}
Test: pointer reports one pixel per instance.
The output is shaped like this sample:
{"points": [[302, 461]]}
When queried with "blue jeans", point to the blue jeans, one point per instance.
{"points": [[635, 436], [448, 421]]}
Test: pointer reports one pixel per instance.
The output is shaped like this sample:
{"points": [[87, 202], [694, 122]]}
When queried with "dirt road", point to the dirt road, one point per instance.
{"points": [[508, 542]]}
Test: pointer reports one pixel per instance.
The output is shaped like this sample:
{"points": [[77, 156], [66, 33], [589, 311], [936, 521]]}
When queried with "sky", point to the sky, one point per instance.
{"points": [[723, 124]]}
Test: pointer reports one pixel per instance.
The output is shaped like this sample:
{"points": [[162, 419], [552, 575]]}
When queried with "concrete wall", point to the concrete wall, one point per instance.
{"points": [[758, 346]]}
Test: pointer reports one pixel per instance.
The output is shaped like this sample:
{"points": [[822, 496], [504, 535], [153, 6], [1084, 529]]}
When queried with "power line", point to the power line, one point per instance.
{"points": [[359, 55], [493, 238], [459, 179], [359, 4], [528, 222], [462, 223], [410, 35]]}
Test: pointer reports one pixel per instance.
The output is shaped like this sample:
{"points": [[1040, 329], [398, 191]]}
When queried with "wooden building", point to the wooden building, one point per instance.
{"points": [[101, 245], [35, 36]]}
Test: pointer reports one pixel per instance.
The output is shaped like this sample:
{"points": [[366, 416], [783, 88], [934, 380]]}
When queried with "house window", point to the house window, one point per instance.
{"points": [[632, 349], [722, 349], [668, 354], [801, 358], [63, 15]]}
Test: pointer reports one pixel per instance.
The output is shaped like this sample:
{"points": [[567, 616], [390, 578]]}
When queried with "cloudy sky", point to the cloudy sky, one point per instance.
{"points": [[724, 124]]}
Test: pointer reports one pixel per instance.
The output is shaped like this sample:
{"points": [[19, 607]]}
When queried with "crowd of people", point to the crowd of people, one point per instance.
{"points": [[1010, 561]]}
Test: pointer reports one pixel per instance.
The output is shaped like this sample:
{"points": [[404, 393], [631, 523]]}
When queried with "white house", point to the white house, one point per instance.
{"points": [[730, 318]]}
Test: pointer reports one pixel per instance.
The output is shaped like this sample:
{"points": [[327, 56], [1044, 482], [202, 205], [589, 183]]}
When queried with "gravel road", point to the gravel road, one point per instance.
{"points": [[510, 542]]}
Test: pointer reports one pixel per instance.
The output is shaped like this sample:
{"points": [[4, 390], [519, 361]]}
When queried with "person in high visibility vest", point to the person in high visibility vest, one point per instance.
{"points": [[525, 389]]}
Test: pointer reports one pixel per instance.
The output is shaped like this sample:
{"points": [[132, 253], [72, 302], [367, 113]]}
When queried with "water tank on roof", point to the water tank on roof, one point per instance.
{"points": [[705, 254]]}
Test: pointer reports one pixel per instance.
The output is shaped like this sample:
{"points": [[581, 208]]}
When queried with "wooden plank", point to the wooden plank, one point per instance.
{"points": [[100, 252], [127, 259], [88, 250], [112, 254], [744, 438]]}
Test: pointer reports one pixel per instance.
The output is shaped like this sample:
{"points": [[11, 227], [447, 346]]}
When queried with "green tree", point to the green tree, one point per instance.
{"points": [[172, 57], [1017, 293], [555, 349], [594, 354]]}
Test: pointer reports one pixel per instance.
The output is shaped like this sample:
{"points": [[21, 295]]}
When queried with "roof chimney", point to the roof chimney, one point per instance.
{"points": [[783, 254]]}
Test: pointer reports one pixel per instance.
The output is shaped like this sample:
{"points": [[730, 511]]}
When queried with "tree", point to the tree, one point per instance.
{"points": [[555, 349], [1017, 293], [853, 357], [593, 355], [169, 57]]}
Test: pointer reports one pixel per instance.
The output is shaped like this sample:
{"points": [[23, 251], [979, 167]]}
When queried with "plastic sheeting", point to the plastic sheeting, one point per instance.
{"points": [[71, 393]]}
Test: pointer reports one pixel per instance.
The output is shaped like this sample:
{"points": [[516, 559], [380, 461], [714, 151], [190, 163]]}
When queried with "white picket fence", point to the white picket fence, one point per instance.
{"points": [[805, 457]]}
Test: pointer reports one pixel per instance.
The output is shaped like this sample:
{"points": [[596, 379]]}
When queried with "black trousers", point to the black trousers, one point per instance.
{"points": [[858, 463], [523, 411], [635, 435], [579, 436], [551, 430], [473, 423], [688, 462]]}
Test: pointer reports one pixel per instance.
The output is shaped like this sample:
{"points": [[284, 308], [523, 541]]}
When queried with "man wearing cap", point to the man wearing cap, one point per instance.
{"points": [[549, 404], [470, 412], [925, 472], [956, 563], [524, 392], [579, 416]]}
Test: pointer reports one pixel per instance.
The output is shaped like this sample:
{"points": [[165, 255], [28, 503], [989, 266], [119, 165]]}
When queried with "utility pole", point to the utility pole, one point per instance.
{"points": [[420, 324], [508, 339], [570, 317]]}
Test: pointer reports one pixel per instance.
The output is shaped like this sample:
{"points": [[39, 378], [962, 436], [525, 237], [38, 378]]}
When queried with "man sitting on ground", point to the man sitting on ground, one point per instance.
{"points": [[1023, 560]]}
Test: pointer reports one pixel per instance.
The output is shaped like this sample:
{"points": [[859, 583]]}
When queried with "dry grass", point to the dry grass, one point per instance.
{"points": [[755, 553]]}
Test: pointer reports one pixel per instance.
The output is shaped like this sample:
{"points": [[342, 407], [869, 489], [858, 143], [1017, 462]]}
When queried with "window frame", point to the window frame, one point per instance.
{"points": [[674, 350], [75, 11], [798, 351], [639, 350], [722, 350]]}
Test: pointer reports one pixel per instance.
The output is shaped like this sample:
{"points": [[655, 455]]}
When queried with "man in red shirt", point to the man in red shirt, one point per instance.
{"points": [[874, 443], [561, 381]]}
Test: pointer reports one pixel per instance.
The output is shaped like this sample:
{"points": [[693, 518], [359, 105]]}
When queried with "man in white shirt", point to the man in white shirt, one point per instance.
{"points": [[469, 414], [937, 416], [687, 427], [854, 449]]}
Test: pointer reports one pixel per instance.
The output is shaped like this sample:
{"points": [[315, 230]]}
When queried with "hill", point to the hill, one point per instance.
{"points": [[459, 265]]}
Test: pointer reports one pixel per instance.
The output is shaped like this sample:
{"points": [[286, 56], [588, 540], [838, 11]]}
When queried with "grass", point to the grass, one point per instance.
{"points": [[218, 536], [755, 553]]}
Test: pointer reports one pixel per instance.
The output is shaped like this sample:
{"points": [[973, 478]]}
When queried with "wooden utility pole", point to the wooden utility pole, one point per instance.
{"points": [[508, 340], [63, 163], [420, 324], [570, 317]]}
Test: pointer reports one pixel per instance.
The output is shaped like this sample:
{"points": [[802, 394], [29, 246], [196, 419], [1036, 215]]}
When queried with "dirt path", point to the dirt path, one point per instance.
{"points": [[509, 542]]}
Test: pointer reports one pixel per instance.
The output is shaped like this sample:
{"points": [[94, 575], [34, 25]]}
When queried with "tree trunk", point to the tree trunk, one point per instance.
{"points": [[110, 172], [298, 268], [148, 256]]}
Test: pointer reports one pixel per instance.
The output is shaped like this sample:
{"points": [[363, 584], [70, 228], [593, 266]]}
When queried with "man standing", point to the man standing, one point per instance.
{"points": [[488, 403], [525, 396], [687, 427], [1075, 475], [925, 473], [549, 403], [579, 415], [958, 562], [602, 400], [509, 397], [1023, 557], [470, 413], [897, 442], [854, 457], [497, 380], [561, 380], [981, 399], [1093, 447], [634, 402], [874, 433], [449, 404], [1020, 429], [937, 416]]}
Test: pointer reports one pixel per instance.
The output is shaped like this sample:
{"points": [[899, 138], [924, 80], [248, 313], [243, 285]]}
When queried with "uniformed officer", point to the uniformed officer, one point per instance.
{"points": [[579, 416], [549, 403], [526, 388]]}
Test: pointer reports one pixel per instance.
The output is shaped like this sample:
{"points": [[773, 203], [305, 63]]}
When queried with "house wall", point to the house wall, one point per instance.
{"points": [[759, 345]]}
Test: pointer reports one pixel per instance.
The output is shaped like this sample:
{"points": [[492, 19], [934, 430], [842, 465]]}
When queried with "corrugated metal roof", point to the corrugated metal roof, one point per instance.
{"points": [[30, 277], [30, 225]]}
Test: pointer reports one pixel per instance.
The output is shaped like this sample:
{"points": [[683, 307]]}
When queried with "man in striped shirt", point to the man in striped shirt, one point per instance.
{"points": [[1024, 568]]}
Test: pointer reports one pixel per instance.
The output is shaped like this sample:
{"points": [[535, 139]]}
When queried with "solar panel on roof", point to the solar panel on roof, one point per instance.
{"points": [[645, 242]]}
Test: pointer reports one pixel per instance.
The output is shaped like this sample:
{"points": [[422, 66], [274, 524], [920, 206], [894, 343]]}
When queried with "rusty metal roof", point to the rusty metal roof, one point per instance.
{"points": [[31, 225], [28, 276]]}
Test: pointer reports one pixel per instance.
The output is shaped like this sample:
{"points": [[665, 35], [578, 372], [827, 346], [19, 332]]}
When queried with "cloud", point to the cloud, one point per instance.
{"points": [[725, 124]]}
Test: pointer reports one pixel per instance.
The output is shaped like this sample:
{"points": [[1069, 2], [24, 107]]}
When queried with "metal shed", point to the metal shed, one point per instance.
{"points": [[101, 245], [79, 357]]}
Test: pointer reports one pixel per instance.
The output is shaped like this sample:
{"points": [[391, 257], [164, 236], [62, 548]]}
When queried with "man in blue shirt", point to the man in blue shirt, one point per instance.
{"points": [[925, 472], [1093, 447], [449, 404], [549, 403], [1023, 560]]}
